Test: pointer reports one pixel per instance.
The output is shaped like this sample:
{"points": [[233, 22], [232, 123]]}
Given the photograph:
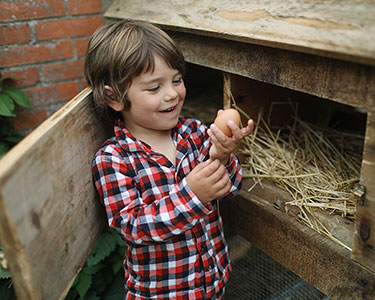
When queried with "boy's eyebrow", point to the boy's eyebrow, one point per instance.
{"points": [[152, 80]]}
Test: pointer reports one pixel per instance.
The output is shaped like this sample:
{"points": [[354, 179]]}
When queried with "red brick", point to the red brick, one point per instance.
{"points": [[55, 93], [84, 84], [80, 7], [30, 119], [27, 77], [63, 70], [81, 46], [67, 27], [19, 55], [14, 34], [30, 9]]}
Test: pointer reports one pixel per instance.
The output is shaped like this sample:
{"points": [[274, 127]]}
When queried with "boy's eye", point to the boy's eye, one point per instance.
{"points": [[177, 81], [153, 89]]}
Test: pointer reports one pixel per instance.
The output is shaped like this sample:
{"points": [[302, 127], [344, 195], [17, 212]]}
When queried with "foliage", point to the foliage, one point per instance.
{"points": [[101, 278], [8, 98], [6, 289]]}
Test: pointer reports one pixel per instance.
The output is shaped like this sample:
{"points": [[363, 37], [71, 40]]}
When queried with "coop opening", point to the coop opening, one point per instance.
{"points": [[305, 152]]}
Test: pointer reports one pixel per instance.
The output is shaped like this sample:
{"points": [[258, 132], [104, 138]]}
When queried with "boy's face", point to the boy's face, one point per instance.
{"points": [[156, 100]]}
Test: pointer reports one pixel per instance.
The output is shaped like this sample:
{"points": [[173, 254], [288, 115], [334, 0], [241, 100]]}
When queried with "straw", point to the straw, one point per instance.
{"points": [[318, 166]]}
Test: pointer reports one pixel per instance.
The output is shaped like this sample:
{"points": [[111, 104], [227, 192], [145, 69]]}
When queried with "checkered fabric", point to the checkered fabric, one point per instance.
{"points": [[175, 244]]}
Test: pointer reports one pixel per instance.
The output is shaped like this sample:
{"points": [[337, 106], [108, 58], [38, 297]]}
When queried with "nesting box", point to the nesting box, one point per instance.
{"points": [[318, 55]]}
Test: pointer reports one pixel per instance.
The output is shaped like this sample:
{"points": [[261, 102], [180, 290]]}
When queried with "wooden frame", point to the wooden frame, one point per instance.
{"points": [[50, 216], [260, 217], [309, 50]]}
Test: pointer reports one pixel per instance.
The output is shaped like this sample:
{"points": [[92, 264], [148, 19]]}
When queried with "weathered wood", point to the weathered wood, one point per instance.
{"points": [[364, 241], [341, 81], [335, 274], [50, 216], [338, 29], [325, 265]]}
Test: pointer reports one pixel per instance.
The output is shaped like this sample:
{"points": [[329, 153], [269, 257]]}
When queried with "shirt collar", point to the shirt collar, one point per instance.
{"points": [[127, 141]]}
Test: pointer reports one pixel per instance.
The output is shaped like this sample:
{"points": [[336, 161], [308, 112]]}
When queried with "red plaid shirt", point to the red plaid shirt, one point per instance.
{"points": [[175, 244]]}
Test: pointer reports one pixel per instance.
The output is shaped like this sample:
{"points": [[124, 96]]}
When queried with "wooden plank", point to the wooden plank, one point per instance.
{"points": [[325, 265], [340, 81], [364, 240], [338, 29], [50, 216]]}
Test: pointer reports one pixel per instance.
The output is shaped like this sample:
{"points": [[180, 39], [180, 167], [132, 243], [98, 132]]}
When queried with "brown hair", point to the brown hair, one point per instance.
{"points": [[119, 52]]}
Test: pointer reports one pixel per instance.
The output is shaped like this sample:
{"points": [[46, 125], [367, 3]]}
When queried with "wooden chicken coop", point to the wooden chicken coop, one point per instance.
{"points": [[318, 56]]}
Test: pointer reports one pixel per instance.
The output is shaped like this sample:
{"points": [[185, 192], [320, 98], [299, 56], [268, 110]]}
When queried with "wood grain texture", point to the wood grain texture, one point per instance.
{"points": [[364, 241], [338, 29], [50, 216], [322, 263], [340, 81]]}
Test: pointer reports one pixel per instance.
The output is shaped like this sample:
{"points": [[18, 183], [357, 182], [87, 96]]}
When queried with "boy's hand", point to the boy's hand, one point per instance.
{"points": [[209, 180], [222, 145]]}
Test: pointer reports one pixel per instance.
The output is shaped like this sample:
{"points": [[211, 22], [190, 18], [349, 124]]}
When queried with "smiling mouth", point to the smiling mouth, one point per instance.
{"points": [[169, 109]]}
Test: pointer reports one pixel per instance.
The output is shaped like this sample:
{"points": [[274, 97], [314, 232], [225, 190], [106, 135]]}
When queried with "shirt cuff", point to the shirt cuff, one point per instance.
{"points": [[193, 201]]}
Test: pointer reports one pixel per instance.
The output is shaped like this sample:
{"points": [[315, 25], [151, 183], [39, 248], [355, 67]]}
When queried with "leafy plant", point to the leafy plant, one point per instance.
{"points": [[100, 278], [8, 98], [6, 288]]}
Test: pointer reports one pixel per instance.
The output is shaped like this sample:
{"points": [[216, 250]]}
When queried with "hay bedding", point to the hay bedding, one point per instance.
{"points": [[317, 165]]}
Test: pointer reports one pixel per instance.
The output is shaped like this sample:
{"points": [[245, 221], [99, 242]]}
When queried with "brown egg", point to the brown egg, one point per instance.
{"points": [[222, 119]]}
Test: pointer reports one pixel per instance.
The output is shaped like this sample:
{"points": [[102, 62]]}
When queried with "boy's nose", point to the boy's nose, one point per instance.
{"points": [[171, 93]]}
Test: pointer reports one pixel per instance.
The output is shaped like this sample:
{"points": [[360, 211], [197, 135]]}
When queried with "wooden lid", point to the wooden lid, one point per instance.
{"points": [[337, 29]]}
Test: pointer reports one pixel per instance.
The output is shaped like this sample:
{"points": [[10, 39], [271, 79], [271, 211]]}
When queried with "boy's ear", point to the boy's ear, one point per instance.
{"points": [[113, 100]]}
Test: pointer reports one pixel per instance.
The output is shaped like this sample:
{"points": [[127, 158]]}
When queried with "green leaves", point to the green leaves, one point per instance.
{"points": [[17, 95], [6, 288], [101, 271], [9, 97], [103, 247], [6, 106], [84, 283], [4, 274]]}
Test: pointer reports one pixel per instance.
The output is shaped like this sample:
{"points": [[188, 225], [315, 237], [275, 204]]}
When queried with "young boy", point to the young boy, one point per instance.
{"points": [[158, 176]]}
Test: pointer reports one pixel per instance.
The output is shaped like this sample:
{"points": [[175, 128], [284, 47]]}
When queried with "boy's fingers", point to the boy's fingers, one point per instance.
{"points": [[248, 129], [250, 125], [201, 166], [223, 185], [216, 131], [207, 168], [219, 173]]}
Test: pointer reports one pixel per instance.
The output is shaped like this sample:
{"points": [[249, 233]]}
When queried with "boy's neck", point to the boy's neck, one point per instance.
{"points": [[152, 137], [160, 141]]}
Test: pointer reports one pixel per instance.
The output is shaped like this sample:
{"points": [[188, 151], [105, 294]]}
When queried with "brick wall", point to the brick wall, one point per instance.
{"points": [[44, 42]]}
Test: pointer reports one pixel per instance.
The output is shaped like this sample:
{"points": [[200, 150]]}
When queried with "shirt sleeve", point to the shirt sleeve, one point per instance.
{"points": [[139, 221], [235, 175]]}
